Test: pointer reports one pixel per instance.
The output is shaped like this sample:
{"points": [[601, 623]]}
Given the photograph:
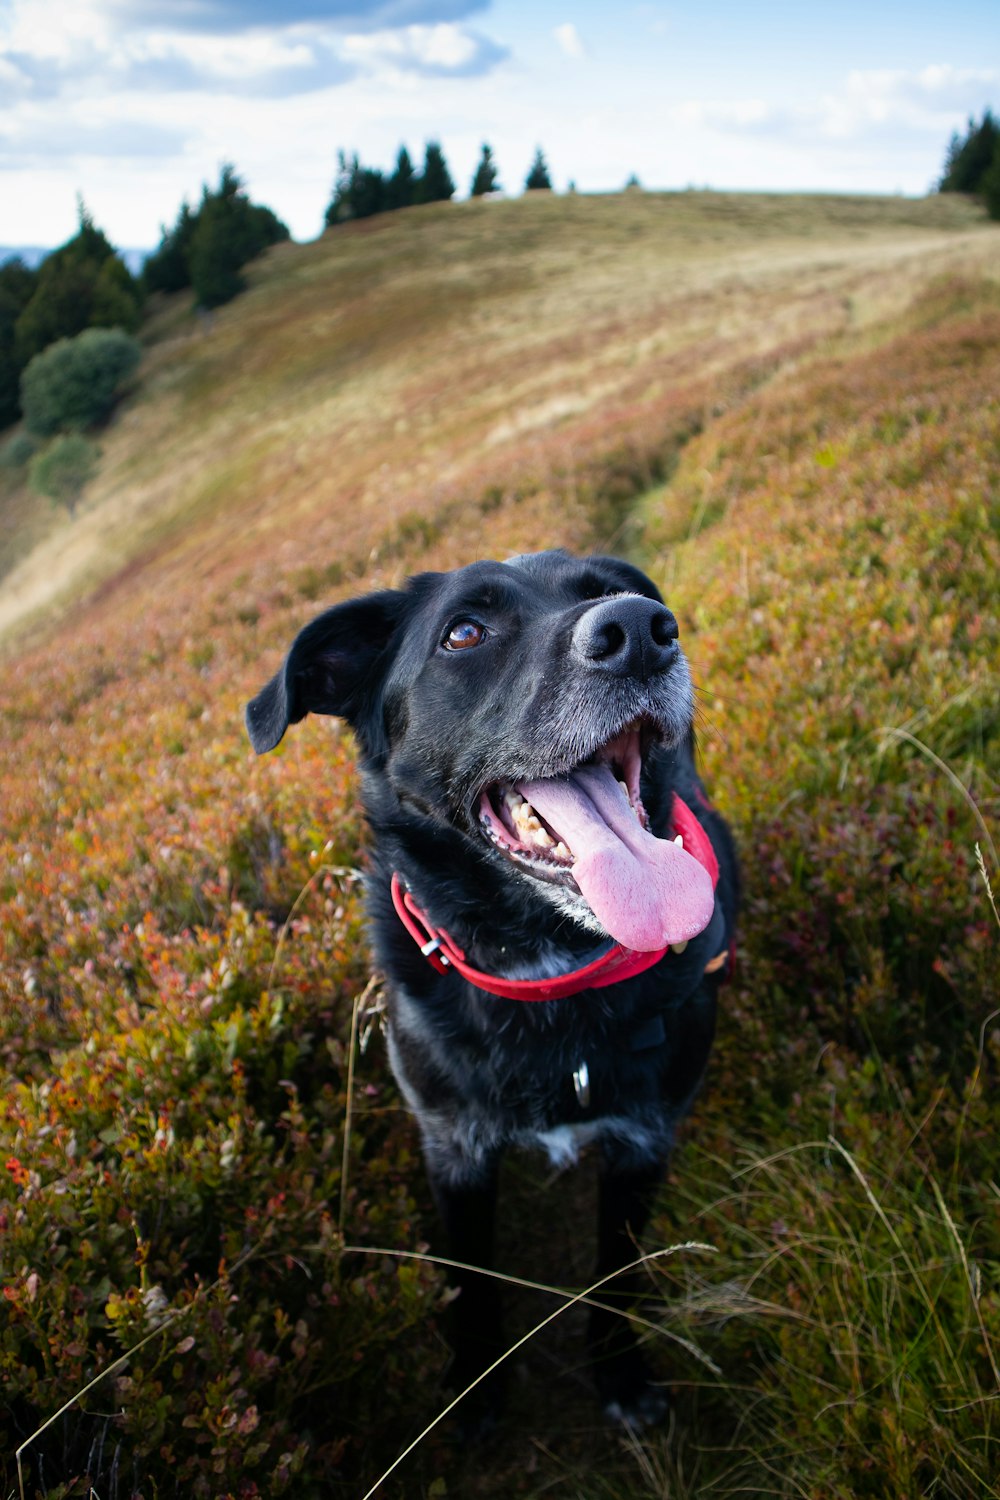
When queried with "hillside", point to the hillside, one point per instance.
{"points": [[453, 349], [787, 411]]}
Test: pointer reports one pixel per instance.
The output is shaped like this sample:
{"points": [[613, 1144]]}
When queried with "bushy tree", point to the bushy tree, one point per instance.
{"points": [[970, 157], [230, 231], [81, 285], [63, 470], [486, 179], [75, 382], [436, 185], [17, 284], [538, 176]]}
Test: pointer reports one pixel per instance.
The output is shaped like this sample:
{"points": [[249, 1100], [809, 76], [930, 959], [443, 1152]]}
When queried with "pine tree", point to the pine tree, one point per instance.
{"points": [[167, 269], [358, 193], [969, 159], [230, 231], [436, 185], [17, 285], [73, 291], [486, 178], [990, 185], [538, 177], [401, 187]]}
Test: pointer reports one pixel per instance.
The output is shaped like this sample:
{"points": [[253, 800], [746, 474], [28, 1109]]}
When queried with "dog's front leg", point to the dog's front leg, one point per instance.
{"points": [[623, 1377], [466, 1202]]}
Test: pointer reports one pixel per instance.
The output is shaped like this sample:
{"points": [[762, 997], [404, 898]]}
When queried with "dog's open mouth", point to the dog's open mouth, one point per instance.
{"points": [[589, 830]]}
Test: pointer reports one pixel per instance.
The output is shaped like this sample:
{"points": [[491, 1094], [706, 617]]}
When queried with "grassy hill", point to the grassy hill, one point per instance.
{"points": [[786, 410], [455, 348]]}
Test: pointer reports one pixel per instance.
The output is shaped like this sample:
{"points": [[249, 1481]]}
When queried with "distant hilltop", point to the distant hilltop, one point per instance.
{"points": [[33, 255]]}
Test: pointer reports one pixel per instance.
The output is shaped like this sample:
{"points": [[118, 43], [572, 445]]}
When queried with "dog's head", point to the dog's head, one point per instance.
{"points": [[519, 703]]}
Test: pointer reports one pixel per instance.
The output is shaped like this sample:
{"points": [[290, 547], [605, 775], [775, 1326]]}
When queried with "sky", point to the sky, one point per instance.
{"points": [[134, 104]]}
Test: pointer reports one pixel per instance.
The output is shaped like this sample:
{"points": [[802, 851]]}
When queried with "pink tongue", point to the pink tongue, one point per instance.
{"points": [[646, 892]]}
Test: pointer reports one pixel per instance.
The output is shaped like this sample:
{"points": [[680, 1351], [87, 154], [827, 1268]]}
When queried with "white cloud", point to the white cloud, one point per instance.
{"points": [[53, 50], [445, 49], [868, 103], [569, 39], [724, 114]]}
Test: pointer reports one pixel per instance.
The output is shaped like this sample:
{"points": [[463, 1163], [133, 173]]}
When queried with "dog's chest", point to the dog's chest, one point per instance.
{"points": [[549, 1091]]}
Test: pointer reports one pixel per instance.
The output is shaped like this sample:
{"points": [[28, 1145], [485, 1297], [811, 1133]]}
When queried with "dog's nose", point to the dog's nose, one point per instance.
{"points": [[627, 635]]}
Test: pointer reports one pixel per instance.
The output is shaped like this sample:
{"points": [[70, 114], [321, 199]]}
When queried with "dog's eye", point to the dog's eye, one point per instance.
{"points": [[463, 635]]}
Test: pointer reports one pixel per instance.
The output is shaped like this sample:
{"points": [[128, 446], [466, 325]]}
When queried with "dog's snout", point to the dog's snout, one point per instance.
{"points": [[627, 635]]}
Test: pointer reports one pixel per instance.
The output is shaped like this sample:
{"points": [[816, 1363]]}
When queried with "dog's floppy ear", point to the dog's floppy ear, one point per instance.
{"points": [[331, 668]]}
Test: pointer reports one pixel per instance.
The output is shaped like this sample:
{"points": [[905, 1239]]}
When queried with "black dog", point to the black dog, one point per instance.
{"points": [[552, 897]]}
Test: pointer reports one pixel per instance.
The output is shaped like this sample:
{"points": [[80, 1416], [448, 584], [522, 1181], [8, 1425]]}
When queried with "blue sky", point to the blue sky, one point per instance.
{"points": [[135, 103]]}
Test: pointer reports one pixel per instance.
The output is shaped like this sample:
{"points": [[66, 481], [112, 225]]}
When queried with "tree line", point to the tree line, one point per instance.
{"points": [[972, 163], [360, 192], [84, 284]]}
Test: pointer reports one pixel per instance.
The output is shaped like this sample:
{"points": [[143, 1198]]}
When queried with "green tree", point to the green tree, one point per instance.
{"points": [[230, 231], [486, 179], [63, 470], [358, 192], [168, 268], [74, 291], [17, 284], [436, 185], [990, 185], [401, 187], [538, 176], [74, 383], [970, 157]]}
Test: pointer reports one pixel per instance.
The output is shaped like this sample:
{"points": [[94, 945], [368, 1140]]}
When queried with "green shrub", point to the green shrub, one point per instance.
{"points": [[75, 383], [17, 450], [64, 469]]}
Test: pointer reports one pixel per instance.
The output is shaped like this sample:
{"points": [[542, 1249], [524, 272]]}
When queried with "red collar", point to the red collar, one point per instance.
{"points": [[616, 964]]}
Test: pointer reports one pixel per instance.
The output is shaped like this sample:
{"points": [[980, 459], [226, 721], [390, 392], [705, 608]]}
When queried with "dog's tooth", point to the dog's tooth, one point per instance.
{"points": [[526, 818], [623, 786], [679, 840], [679, 947], [562, 851], [544, 839]]}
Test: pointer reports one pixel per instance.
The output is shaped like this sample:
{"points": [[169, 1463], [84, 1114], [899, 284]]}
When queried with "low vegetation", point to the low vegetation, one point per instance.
{"points": [[63, 470], [204, 1159], [75, 383]]}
